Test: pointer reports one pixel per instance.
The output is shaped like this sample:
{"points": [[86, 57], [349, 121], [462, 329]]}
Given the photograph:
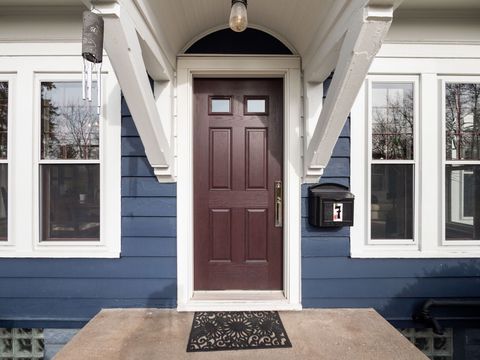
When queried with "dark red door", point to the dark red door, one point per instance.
{"points": [[238, 150]]}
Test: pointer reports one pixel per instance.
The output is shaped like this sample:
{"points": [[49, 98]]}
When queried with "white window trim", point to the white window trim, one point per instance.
{"points": [[56, 62], [411, 243], [10, 78], [288, 68], [443, 80], [460, 62]]}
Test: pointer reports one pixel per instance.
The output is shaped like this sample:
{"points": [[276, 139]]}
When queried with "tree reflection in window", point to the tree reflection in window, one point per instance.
{"points": [[462, 121], [3, 119], [70, 128], [69, 188], [3, 159], [392, 121]]}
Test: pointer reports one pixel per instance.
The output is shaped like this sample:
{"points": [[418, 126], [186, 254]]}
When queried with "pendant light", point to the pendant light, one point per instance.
{"points": [[238, 15]]}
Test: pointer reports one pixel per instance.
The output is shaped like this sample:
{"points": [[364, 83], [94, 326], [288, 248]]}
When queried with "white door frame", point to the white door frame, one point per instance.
{"points": [[288, 68]]}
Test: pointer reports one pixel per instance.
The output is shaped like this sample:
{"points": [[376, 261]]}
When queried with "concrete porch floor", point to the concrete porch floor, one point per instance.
{"points": [[315, 334]]}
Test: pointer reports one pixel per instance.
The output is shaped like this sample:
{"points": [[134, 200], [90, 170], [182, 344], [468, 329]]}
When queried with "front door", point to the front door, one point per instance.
{"points": [[238, 157]]}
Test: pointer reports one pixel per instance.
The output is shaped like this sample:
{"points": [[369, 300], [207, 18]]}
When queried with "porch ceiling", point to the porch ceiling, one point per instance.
{"points": [[297, 22]]}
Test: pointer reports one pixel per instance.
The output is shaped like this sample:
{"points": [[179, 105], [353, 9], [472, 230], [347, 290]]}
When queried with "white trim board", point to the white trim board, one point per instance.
{"points": [[288, 68]]}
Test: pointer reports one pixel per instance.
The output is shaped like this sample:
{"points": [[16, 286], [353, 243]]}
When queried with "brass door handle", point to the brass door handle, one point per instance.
{"points": [[278, 204]]}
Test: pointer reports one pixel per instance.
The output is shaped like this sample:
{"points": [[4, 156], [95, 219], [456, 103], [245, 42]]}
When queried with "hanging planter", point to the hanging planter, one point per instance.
{"points": [[92, 53]]}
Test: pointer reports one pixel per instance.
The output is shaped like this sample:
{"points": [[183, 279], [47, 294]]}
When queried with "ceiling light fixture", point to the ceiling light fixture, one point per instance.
{"points": [[238, 15]]}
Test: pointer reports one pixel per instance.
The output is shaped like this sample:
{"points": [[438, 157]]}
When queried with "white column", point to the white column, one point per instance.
{"points": [[429, 165]]}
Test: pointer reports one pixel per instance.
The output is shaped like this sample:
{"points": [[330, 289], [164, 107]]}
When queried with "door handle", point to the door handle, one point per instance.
{"points": [[278, 193]]}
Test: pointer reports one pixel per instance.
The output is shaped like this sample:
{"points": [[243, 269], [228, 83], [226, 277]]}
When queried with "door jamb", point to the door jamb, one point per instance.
{"points": [[288, 68]]}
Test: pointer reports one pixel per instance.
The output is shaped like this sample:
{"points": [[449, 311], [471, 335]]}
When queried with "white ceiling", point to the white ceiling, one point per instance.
{"points": [[414, 4], [40, 2], [184, 20], [294, 21], [297, 22], [440, 4]]}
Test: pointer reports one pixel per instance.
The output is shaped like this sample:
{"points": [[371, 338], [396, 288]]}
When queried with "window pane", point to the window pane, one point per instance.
{"points": [[3, 119], [462, 213], [70, 201], [392, 121], [462, 121], [392, 201], [256, 106], [220, 105], [3, 202], [468, 194], [69, 123]]}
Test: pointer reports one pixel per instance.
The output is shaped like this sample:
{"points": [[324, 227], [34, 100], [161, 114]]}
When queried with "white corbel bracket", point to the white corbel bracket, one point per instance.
{"points": [[124, 49], [361, 43]]}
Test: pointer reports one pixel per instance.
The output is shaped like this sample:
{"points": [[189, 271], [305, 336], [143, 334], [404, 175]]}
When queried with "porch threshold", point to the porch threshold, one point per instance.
{"points": [[238, 300], [360, 334]]}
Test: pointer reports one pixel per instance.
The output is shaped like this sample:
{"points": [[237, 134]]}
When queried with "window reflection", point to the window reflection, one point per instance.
{"points": [[3, 157], [220, 105], [256, 106], [462, 188], [462, 121], [70, 128], [392, 121], [3, 119], [3, 202], [70, 198], [392, 201]]}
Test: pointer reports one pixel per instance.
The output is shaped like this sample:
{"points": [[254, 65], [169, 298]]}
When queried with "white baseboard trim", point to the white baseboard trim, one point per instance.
{"points": [[212, 305], [239, 300]]}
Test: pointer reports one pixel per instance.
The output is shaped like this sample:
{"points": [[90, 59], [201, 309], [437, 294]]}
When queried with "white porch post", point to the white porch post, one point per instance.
{"points": [[361, 42]]}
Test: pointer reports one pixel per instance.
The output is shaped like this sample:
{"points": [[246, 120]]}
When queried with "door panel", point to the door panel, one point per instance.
{"points": [[220, 234], [257, 158], [257, 234], [238, 149], [220, 158]]}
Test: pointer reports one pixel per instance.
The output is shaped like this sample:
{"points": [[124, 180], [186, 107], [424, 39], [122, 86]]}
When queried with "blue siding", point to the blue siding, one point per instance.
{"points": [[68, 292], [394, 287]]}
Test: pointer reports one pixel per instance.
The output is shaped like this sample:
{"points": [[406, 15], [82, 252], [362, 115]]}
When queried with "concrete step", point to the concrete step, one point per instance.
{"points": [[336, 334]]}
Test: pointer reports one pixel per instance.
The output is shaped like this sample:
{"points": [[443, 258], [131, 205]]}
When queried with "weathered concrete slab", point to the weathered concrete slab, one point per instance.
{"points": [[325, 334]]}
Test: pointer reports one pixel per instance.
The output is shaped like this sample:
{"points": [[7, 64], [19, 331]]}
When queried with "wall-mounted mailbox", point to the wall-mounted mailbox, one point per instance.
{"points": [[330, 205]]}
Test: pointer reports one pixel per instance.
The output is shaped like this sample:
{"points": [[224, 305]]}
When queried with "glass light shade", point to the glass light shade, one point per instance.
{"points": [[238, 17]]}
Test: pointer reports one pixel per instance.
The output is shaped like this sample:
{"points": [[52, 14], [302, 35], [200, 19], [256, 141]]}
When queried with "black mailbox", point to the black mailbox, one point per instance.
{"points": [[330, 205]]}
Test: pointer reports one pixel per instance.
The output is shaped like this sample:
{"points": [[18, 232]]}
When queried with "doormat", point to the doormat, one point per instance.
{"points": [[214, 331]]}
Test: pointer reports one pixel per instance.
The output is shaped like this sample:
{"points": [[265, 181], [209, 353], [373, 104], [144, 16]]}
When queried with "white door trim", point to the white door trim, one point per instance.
{"points": [[288, 68]]}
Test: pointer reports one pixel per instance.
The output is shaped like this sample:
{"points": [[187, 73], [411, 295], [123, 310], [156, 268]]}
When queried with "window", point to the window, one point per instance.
{"points": [[255, 105], [220, 105], [392, 170], [69, 165], [4, 120], [415, 157], [22, 343], [63, 160], [435, 346], [462, 161]]}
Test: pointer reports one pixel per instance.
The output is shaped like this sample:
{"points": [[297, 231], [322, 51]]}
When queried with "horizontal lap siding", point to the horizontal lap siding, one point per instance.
{"points": [[68, 292], [394, 287]]}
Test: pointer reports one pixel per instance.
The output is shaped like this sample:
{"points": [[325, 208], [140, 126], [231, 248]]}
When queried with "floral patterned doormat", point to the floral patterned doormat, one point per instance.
{"points": [[213, 331]]}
